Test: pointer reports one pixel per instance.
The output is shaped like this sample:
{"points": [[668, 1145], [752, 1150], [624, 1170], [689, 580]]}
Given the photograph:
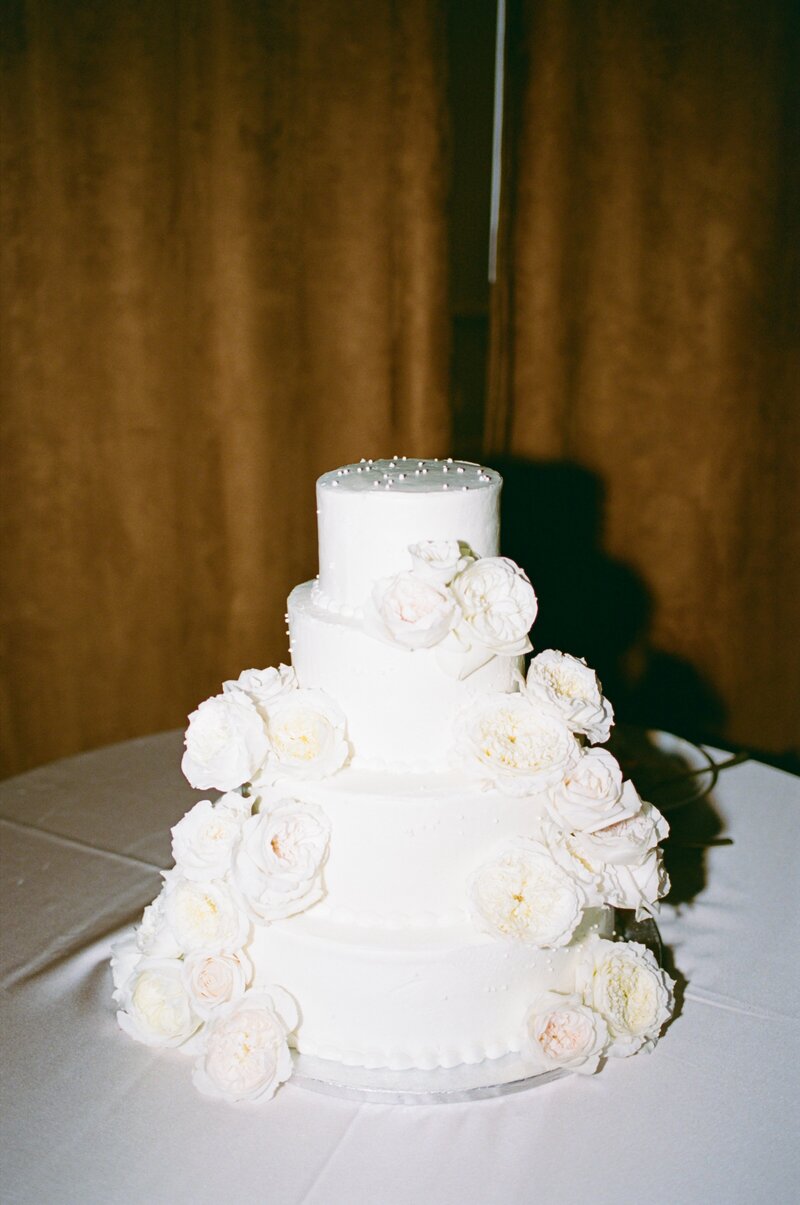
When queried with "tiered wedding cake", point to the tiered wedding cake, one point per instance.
{"points": [[418, 849]]}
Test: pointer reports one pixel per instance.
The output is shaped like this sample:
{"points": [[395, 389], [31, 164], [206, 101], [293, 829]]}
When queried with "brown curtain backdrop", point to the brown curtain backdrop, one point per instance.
{"points": [[225, 270], [227, 266], [645, 341]]}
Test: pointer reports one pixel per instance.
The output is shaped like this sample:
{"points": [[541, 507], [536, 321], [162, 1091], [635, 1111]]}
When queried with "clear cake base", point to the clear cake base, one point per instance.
{"points": [[447, 1085], [440, 1086]]}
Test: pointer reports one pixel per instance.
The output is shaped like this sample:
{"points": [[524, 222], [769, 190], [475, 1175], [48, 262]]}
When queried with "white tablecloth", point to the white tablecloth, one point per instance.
{"points": [[90, 1116]]}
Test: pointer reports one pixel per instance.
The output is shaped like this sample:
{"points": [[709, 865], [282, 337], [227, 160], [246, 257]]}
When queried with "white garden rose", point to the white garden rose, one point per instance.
{"points": [[566, 687], [154, 937], [226, 742], [125, 956], [207, 916], [633, 867], [278, 866], [627, 841], [618, 865], [438, 561], [498, 606], [204, 840], [233, 803], [411, 611], [263, 686], [307, 737], [638, 886], [502, 738], [156, 1008], [212, 980], [564, 1032], [524, 896], [565, 852], [245, 1053], [623, 982], [591, 795]]}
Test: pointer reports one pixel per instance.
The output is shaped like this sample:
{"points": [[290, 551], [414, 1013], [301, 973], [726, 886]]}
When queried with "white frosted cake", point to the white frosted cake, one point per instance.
{"points": [[418, 849]]}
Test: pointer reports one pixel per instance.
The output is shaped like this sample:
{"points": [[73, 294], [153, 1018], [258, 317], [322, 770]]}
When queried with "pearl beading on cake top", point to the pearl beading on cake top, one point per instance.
{"points": [[365, 533], [409, 473]]}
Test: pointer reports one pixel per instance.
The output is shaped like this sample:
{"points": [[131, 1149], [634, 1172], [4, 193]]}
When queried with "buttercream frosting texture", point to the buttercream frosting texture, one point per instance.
{"points": [[412, 849]]}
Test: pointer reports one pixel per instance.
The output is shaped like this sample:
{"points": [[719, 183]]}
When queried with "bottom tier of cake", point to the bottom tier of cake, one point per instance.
{"points": [[412, 1000]]}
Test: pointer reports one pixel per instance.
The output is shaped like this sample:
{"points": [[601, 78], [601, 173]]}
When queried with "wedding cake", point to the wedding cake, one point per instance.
{"points": [[418, 847]]}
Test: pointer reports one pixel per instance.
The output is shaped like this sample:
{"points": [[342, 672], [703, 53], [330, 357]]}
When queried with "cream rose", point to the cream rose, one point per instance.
{"points": [[307, 737], [438, 561], [618, 865], [226, 742], [634, 866], [627, 841], [154, 937], [412, 611], [502, 738], [278, 866], [212, 980], [566, 853], [590, 795], [205, 916], [566, 687], [565, 1033], [235, 804], [263, 686], [497, 604], [204, 840], [524, 896], [638, 886], [623, 982], [245, 1052], [125, 956], [156, 1007]]}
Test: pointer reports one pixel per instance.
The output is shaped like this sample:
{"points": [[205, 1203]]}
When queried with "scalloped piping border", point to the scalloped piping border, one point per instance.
{"points": [[420, 1058], [323, 602]]}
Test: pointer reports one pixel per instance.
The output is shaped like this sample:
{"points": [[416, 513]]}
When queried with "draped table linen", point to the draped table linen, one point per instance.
{"points": [[89, 1115]]}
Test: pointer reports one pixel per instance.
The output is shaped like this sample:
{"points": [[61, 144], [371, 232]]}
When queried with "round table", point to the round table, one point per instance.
{"points": [[90, 1116]]}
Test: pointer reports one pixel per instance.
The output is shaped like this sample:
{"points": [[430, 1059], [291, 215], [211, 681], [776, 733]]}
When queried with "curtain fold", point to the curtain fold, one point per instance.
{"points": [[645, 339], [225, 271]]}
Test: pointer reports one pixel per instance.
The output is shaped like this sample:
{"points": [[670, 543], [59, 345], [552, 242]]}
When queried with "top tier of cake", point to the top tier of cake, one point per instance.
{"points": [[369, 513], [399, 697]]}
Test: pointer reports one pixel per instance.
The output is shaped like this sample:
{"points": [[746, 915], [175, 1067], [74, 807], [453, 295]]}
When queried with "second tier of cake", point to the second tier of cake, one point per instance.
{"points": [[400, 705]]}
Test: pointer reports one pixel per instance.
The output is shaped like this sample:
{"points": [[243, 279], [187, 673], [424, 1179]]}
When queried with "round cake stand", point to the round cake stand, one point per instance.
{"points": [[439, 1086], [446, 1085]]}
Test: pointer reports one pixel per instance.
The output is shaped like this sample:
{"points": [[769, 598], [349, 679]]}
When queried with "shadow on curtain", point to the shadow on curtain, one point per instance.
{"points": [[645, 336]]}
